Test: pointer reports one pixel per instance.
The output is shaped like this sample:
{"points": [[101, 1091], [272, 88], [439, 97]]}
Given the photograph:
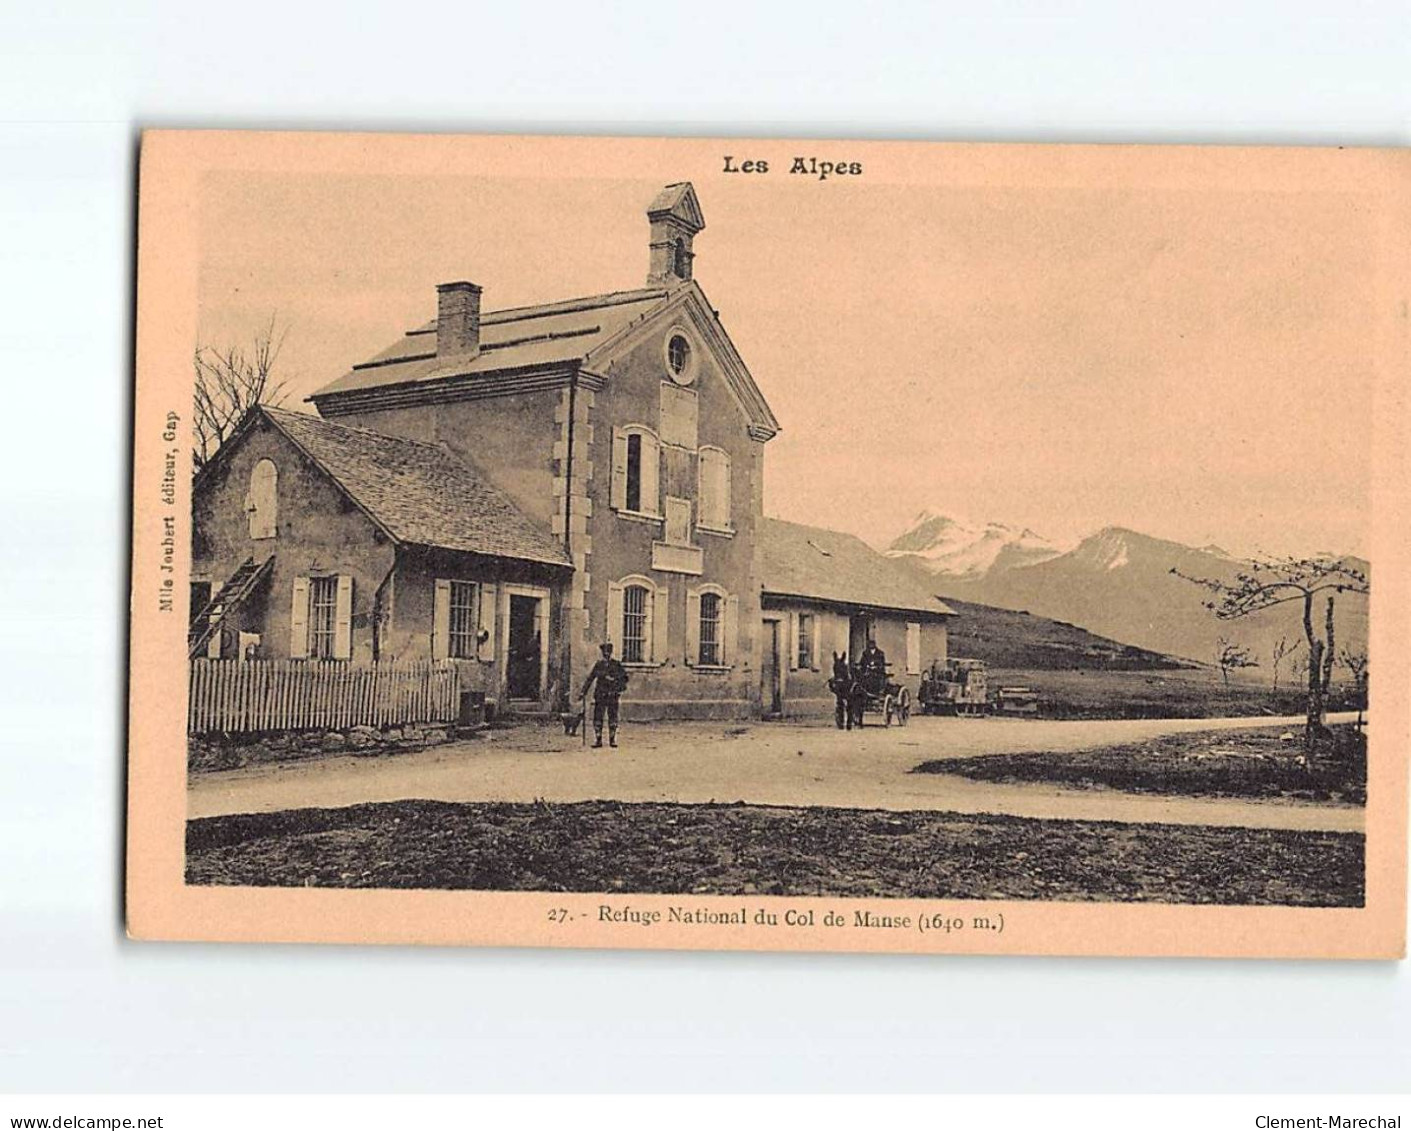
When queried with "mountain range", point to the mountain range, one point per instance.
{"points": [[1116, 583]]}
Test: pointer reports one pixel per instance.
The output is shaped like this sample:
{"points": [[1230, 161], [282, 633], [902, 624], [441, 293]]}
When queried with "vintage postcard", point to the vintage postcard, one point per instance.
{"points": [[769, 544]]}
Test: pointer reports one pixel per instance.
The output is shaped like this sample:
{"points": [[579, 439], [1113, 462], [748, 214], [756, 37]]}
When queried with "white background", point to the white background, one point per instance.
{"points": [[82, 1009]]}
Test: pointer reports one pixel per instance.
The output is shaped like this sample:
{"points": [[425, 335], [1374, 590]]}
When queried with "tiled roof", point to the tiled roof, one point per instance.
{"points": [[827, 565], [519, 338], [420, 493]]}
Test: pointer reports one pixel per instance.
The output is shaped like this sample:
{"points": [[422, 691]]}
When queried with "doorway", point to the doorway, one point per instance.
{"points": [[771, 692], [859, 633], [525, 648]]}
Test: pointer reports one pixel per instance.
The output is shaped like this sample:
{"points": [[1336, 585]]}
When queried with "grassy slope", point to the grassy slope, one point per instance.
{"points": [[1251, 763], [741, 850]]}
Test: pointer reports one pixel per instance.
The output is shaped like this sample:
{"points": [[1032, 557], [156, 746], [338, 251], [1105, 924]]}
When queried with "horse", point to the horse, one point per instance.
{"points": [[849, 696]]}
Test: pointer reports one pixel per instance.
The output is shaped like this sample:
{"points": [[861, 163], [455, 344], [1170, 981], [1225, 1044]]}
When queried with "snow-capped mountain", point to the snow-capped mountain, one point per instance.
{"points": [[1117, 583], [951, 547]]}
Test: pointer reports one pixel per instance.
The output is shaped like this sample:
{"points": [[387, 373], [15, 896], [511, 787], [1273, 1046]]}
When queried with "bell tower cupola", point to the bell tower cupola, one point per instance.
{"points": [[675, 218]]}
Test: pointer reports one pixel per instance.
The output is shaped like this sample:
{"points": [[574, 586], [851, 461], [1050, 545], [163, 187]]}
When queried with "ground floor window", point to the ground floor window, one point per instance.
{"points": [[710, 630], [634, 624], [463, 620], [323, 616], [805, 641]]}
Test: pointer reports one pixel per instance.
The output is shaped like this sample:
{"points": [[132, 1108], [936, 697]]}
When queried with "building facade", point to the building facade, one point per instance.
{"points": [[619, 439]]}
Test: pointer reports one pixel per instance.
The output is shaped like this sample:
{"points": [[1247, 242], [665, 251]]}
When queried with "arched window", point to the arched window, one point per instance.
{"points": [[712, 625], [636, 616], [262, 502], [710, 629], [636, 470], [681, 260], [637, 619], [713, 510]]}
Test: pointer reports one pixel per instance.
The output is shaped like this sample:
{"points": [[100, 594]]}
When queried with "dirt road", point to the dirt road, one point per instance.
{"points": [[766, 764]]}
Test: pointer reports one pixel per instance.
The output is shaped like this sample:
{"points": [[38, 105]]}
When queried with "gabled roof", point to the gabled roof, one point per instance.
{"points": [[827, 565], [420, 494], [555, 333], [556, 336]]}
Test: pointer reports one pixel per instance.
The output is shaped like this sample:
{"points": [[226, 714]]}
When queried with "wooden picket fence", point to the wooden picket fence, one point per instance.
{"points": [[234, 697]]}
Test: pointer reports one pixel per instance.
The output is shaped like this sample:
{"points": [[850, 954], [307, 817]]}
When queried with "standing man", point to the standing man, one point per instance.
{"points": [[610, 678]]}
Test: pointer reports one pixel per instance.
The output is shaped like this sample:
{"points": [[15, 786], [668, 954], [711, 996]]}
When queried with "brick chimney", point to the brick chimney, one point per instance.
{"points": [[457, 320]]}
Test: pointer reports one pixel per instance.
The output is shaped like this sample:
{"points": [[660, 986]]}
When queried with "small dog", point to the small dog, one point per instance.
{"points": [[571, 723]]}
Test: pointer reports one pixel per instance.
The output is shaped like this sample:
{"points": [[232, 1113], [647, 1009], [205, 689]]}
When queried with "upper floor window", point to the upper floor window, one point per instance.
{"points": [[262, 501], [636, 470], [714, 490]]}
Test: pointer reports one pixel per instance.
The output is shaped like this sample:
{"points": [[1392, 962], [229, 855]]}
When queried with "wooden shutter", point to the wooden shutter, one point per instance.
{"points": [[612, 631], [489, 598], [913, 648], [730, 631], [618, 492], [693, 626], [651, 474], [343, 618], [793, 641], [299, 620], [659, 625], [441, 620]]}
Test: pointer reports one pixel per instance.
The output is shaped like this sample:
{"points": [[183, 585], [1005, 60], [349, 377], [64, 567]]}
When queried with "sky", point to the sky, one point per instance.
{"points": [[1195, 364]]}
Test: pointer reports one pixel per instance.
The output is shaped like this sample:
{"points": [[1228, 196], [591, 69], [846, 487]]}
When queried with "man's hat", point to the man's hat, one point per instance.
{"points": [[605, 646]]}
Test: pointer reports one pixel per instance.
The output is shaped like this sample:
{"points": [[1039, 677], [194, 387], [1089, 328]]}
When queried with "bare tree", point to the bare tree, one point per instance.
{"points": [[231, 381], [1229, 656], [1283, 648], [1355, 661], [1268, 583]]}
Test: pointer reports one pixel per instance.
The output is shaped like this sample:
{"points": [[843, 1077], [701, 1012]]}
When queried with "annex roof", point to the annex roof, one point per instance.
{"points": [[828, 565], [419, 493], [518, 338]]}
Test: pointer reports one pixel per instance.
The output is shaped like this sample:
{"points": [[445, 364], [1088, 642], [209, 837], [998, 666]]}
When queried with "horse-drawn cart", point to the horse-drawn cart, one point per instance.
{"points": [[860, 692]]}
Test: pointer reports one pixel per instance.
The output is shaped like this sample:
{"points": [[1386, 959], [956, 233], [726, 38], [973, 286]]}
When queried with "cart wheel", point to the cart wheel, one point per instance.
{"points": [[887, 710], [904, 706]]}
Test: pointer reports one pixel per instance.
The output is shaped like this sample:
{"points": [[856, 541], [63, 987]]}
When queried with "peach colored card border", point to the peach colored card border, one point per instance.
{"points": [[161, 906]]}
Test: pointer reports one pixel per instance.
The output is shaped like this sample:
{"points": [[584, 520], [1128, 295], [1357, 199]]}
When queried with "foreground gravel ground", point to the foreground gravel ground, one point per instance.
{"points": [[611, 846]]}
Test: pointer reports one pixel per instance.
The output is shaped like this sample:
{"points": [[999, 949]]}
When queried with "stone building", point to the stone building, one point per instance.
{"points": [[616, 444]]}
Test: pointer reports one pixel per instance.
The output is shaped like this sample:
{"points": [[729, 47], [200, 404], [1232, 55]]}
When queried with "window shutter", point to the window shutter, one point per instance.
{"points": [[489, 597], [619, 470], [651, 475], [913, 648], [693, 625], [793, 642], [299, 620], [729, 637], [441, 620], [659, 624], [343, 619], [612, 631]]}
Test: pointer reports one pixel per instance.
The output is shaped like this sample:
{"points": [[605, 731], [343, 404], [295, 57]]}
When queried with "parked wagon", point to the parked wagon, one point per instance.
{"points": [[879, 694], [1017, 701], [954, 687]]}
